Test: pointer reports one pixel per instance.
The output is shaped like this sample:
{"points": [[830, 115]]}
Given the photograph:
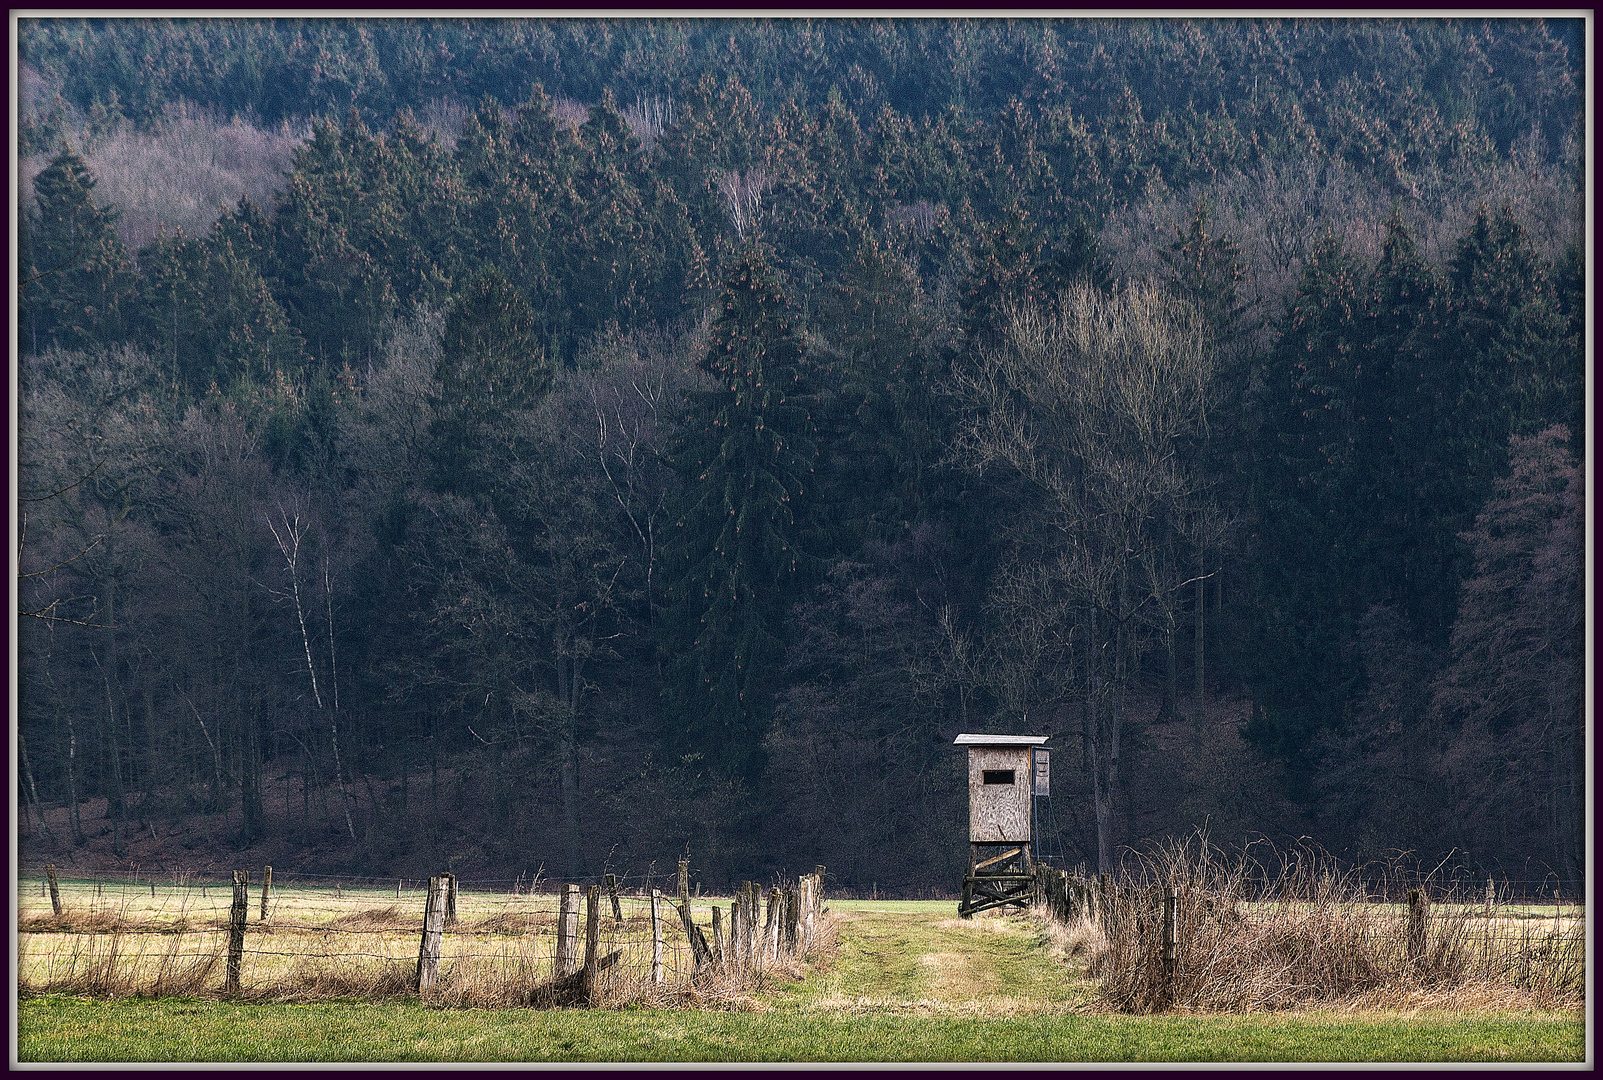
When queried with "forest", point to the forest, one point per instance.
{"points": [[566, 444]]}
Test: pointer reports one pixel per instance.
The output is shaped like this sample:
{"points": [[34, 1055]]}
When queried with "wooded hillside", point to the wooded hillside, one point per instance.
{"points": [[581, 440]]}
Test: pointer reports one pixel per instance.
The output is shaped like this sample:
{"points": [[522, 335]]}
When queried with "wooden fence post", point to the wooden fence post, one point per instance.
{"points": [[809, 910], [236, 930], [1416, 924], [612, 891], [1491, 896], [792, 919], [1171, 935], [267, 890], [450, 899], [55, 889], [717, 935], [656, 935], [567, 929], [592, 938], [684, 881], [428, 952], [754, 905], [748, 923], [698, 941], [771, 927]]}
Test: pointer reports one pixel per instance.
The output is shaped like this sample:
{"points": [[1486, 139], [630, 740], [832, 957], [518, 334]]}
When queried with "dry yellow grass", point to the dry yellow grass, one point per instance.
{"points": [[318, 943], [1250, 939]]}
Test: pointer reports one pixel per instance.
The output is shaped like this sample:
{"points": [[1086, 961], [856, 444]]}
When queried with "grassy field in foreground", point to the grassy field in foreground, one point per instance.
{"points": [[910, 982], [65, 1029]]}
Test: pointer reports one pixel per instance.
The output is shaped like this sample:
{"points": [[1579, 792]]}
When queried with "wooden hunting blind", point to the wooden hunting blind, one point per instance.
{"points": [[1003, 774]]}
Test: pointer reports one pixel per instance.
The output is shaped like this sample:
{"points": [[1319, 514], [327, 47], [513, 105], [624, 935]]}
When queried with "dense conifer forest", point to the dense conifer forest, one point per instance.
{"points": [[529, 443]]}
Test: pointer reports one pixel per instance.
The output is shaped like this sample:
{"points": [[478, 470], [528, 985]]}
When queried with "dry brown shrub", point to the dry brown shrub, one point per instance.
{"points": [[115, 966], [74, 922], [1081, 937], [507, 922], [325, 979], [384, 918], [1254, 937]]}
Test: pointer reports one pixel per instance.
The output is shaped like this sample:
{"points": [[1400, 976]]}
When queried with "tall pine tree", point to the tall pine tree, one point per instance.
{"points": [[75, 275], [739, 553]]}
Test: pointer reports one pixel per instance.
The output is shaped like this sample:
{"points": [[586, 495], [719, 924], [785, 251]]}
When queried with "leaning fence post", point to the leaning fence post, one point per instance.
{"points": [[567, 928], [1416, 924], [1171, 935], [656, 935], [592, 938], [684, 881], [699, 951], [267, 889], [55, 889], [428, 953], [612, 891], [236, 929]]}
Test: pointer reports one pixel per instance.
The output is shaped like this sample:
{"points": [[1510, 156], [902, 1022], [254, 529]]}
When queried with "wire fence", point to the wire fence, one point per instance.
{"points": [[495, 942], [1184, 928]]}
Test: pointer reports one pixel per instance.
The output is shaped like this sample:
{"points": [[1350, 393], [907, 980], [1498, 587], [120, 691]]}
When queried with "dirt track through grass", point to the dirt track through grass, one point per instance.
{"points": [[928, 962]]}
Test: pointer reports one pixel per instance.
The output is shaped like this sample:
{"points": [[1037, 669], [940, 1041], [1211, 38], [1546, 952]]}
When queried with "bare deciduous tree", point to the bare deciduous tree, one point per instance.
{"points": [[1089, 399], [743, 196]]}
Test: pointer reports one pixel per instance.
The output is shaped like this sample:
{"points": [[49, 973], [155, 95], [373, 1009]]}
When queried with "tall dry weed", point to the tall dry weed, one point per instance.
{"points": [[1296, 931]]}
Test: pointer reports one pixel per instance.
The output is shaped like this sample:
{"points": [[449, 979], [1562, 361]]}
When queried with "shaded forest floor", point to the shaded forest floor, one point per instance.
{"points": [[1183, 773], [300, 834]]}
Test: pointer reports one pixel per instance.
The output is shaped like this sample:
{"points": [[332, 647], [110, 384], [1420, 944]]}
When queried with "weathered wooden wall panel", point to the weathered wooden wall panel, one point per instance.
{"points": [[999, 812]]}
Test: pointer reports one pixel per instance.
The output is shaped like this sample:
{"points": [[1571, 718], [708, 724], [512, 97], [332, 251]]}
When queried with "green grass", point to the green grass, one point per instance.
{"points": [[910, 982], [66, 1029]]}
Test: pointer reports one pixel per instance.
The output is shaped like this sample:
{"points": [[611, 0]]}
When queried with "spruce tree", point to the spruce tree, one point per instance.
{"points": [[739, 553], [491, 363], [75, 275]]}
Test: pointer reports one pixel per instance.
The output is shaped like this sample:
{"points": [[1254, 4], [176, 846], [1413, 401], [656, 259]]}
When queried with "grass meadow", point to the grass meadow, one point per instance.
{"points": [[902, 981]]}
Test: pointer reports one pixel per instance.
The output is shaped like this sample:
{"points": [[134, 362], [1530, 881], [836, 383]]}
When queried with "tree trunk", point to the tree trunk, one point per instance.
{"points": [[119, 824], [1171, 675], [73, 817], [1101, 799], [33, 792], [1202, 600], [568, 692]]}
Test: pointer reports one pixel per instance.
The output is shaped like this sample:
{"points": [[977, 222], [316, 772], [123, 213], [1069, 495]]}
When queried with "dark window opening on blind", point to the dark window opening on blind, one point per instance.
{"points": [[998, 776]]}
